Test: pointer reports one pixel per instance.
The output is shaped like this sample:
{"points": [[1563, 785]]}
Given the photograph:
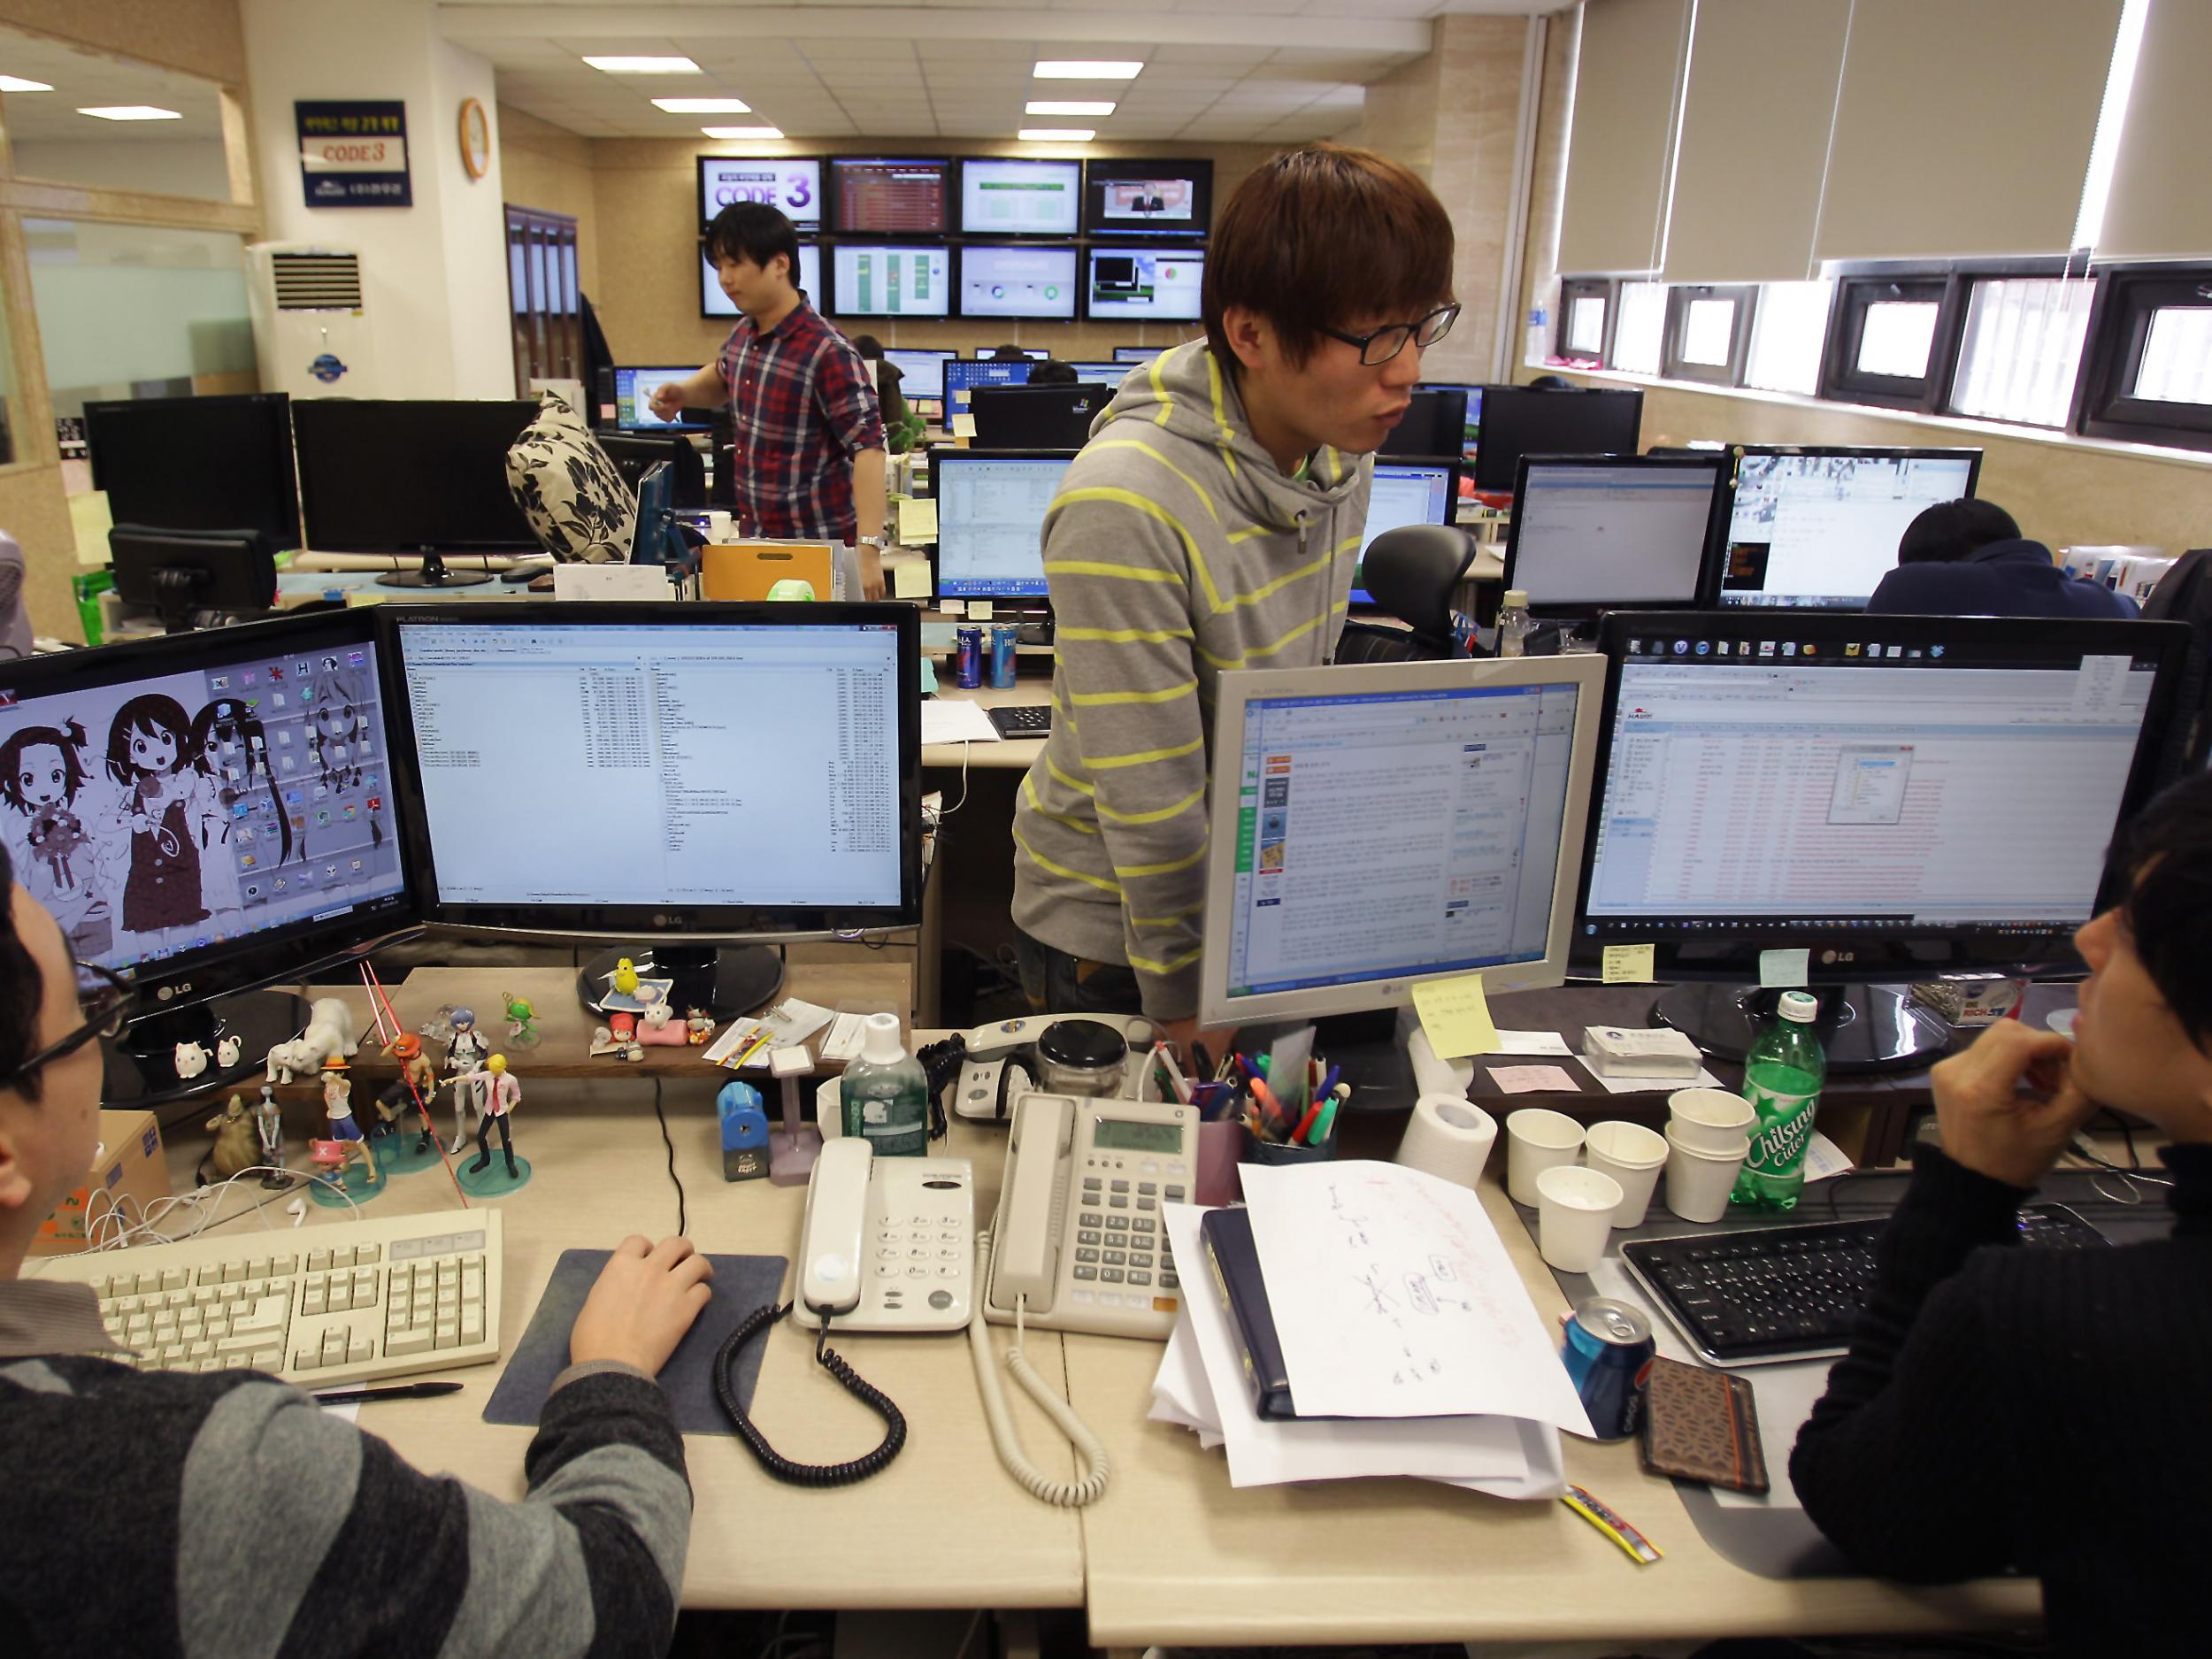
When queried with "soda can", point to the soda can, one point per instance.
{"points": [[971, 659], [1002, 639], [1609, 1352]]}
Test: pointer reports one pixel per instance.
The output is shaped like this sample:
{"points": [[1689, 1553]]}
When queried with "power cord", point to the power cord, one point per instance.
{"points": [[1089, 1447], [781, 1467], [683, 1220]]}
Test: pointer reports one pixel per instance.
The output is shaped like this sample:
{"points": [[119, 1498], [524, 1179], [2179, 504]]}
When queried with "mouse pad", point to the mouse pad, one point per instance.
{"points": [[740, 1284]]}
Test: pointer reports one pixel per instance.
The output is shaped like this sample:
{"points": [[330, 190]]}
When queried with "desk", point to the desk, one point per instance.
{"points": [[1013, 755]]}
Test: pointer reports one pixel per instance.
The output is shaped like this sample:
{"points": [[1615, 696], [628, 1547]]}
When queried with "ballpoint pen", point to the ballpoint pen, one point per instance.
{"points": [[405, 1391]]}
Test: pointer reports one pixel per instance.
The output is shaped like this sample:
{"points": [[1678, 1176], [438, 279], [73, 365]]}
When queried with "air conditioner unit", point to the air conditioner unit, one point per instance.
{"points": [[310, 329]]}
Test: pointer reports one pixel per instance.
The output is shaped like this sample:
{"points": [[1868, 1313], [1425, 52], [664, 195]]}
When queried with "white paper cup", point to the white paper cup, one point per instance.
{"points": [[1536, 1140], [1574, 1216], [1633, 1156], [1709, 1119], [1698, 1181]]}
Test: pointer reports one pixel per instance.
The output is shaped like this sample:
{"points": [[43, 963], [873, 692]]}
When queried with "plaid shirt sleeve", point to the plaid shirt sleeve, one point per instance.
{"points": [[845, 393]]}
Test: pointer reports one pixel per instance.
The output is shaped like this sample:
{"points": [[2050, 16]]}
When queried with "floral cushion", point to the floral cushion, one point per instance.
{"points": [[576, 501]]}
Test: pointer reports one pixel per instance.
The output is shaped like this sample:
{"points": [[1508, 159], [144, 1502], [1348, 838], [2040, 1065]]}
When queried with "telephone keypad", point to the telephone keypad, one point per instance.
{"points": [[1118, 1201], [1115, 1258], [1091, 1219], [1117, 1224], [1140, 1279], [1087, 1238], [1086, 1273], [921, 1249], [1143, 1223], [1149, 1189], [1110, 1275], [1086, 1256]]}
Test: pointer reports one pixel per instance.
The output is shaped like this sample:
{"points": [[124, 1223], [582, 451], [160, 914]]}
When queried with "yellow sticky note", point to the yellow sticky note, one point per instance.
{"points": [[917, 521], [1455, 1015], [910, 579], [964, 425], [1627, 964]]}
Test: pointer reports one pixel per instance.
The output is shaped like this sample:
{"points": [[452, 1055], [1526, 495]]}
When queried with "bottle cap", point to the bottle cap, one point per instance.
{"points": [[1515, 597], [1800, 1006], [880, 1040]]}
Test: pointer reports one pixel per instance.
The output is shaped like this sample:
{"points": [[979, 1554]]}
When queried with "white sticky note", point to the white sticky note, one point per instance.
{"points": [[1627, 964], [1784, 969], [1532, 1042], [964, 425], [911, 581], [1533, 1079]]}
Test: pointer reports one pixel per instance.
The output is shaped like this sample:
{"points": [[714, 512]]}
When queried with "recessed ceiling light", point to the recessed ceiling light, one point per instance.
{"points": [[1066, 106], [646, 65], [16, 83], [1086, 69], [704, 106], [1057, 134], [743, 131], [133, 113]]}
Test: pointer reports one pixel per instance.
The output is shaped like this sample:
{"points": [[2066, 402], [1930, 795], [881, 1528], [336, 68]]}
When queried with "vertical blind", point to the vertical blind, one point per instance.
{"points": [[2160, 205], [1617, 147]]}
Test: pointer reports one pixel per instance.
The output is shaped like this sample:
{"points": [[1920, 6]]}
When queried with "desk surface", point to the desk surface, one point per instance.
{"points": [[1012, 755]]}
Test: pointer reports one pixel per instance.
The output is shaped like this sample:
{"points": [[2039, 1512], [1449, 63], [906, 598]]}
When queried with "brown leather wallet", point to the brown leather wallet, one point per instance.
{"points": [[1699, 1425]]}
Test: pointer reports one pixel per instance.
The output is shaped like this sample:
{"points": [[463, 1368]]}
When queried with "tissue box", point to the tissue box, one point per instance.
{"points": [[1631, 1051], [129, 1171]]}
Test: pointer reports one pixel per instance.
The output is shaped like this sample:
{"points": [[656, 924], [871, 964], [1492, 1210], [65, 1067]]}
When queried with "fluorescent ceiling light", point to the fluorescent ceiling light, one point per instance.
{"points": [[1057, 134], [1086, 69], [743, 131], [703, 106], [133, 113], [1066, 106], [646, 65], [16, 83]]}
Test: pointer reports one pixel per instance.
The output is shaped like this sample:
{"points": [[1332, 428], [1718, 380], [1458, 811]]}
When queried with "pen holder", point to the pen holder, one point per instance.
{"points": [[1284, 1152]]}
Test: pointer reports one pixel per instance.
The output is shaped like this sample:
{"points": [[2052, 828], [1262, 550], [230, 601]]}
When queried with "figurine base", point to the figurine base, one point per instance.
{"points": [[491, 1181], [353, 1177], [791, 1155], [400, 1151]]}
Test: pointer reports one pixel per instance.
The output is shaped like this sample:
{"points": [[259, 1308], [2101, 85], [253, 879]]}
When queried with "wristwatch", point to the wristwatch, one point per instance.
{"points": [[876, 542]]}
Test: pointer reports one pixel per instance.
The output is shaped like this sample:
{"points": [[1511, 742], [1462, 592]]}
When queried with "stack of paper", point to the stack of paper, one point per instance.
{"points": [[1410, 1342]]}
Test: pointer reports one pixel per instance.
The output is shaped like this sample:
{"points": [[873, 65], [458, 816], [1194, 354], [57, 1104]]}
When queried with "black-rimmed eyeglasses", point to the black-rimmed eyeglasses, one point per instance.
{"points": [[105, 999], [1382, 344]]}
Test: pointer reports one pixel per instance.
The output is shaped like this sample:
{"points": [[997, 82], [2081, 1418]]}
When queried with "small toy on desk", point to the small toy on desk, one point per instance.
{"points": [[190, 1059], [606, 1040], [237, 1147], [698, 1027], [626, 977], [329, 1032], [268, 1122], [744, 1132], [522, 1020], [228, 1052], [417, 1078], [338, 1108], [498, 1092], [793, 1148]]}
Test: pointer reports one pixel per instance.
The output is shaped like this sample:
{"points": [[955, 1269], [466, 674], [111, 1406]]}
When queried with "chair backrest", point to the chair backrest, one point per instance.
{"points": [[1413, 572], [2183, 594]]}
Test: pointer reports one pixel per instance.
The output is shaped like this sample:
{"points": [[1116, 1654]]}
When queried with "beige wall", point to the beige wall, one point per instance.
{"points": [[542, 166], [202, 37]]}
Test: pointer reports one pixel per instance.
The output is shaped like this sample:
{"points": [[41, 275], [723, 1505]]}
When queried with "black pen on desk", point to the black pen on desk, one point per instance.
{"points": [[405, 1391]]}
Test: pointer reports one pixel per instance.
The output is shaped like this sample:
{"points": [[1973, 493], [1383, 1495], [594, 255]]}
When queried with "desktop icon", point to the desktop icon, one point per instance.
{"points": [[1850, 651], [1789, 648], [1682, 648], [1896, 650], [1935, 651], [1766, 647], [1635, 647], [1704, 648]]}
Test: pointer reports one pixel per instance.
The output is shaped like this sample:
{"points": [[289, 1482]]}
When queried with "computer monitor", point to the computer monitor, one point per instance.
{"points": [[1018, 281], [1139, 354], [1820, 527], [1518, 421], [790, 184], [634, 389], [198, 462], [893, 279], [962, 375], [207, 813], [1035, 354], [714, 302], [1374, 826], [1434, 424], [420, 480], [1603, 532], [1036, 417], [991, 507], [1147, 197], [1017, 196], [632, 452], [1141, 284], [181, 574], [662, 713], [1104, 373], [922, 367], [1470, 428], [881, 196], [1884, 798], [1404, 493]]}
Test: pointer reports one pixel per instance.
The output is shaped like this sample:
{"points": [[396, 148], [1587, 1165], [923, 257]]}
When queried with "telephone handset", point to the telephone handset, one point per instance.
{"points": [[1002, 1060], [888, 1244]]}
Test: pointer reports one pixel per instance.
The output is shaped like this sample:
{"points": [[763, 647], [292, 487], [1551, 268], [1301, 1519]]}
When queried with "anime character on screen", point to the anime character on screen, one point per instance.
{"points": [[41, 775], [227, 736], [337, 742], [168, 809]]}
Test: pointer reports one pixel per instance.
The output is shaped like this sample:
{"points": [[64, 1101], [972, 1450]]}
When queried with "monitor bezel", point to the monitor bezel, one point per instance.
{"points": [[833, 193], [1706, 574], [1106, 171], [998, 233], [942, 354], [633, 430], [1235, 690], [275, 407], [818, 295], [1491, 475], [1091, 249], [941, 453], [960, 256], [1905, 952], [1044, 395], [316, 409], [675, 924]]}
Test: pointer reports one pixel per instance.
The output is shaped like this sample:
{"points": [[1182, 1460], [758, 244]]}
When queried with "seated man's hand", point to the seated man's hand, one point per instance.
{"points": [[2008, 1106], [646, 1298]]}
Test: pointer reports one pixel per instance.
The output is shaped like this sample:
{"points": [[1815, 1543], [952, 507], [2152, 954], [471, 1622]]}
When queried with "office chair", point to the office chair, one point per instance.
{"points": [[1411, 572]]}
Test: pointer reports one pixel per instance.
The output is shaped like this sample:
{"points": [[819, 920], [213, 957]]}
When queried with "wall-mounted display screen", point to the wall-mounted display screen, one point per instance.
{"points": [[790, 184], [1166, 199], [1019, 198], [1134, 284], [879, 196], [1018, 281], [892, 281], [714, 302]]}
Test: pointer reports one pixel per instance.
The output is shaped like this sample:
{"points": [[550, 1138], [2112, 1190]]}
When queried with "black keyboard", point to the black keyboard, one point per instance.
{"points": [[1760, 1294], [1029, 719]]}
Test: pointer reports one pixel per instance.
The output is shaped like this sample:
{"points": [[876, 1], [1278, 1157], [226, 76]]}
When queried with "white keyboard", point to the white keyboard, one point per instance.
{"points": [[346, 1303]]}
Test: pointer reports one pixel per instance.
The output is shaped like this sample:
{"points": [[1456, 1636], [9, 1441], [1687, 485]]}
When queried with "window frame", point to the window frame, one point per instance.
{"points": [[1572, 289], [1857, 290], [2128, 299], [1970, 277], [1674, 366]]}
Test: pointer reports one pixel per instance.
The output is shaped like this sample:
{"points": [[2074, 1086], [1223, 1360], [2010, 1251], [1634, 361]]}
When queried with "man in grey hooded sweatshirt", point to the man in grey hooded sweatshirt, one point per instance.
{"points": [[1212, 522]]}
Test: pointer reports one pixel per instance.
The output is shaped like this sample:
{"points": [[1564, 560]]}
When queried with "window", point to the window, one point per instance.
{"points": [[1889, 340], [1708, 332], [2021, 348], [1639, 330], [2149, 374], [1585, 312], [1787, 331]]}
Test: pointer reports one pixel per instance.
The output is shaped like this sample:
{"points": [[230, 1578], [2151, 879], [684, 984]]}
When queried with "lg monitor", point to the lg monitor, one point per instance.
{"points": [[634, 389], [1404, 493], [991, 507], [1018, 281], [1470, 424], [714, 302], [198, 462], [879, 196], [1144, 284], [1434, 424], [1835, 799], [1036, 417], [1376, 826], [1019, 198], [1601, 533], [1158, 198], [892, 280], [962, 375], [1517, 420], [1820, 527], [790, 184], [922, 369], [1139, 354], [662, 708]]}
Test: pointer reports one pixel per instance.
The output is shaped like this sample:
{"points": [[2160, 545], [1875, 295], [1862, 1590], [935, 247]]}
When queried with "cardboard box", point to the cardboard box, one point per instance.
{"points": [[129, 1171]]}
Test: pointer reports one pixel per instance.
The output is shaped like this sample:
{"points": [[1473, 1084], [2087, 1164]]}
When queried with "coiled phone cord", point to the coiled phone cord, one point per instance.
{"points": [[1068, 1494], [777, 1465]]}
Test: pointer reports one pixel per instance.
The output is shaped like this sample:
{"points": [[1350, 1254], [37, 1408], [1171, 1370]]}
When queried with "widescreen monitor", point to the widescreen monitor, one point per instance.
{"points": [[991, 507], [921, 367], [963, 374], [1434, 424], [1471, 426], [198, 462], [1036, 417], [1518, 421], [1139, 354], [894, 279], [634, 389], [1820, 527], [714, 302], [1149, 197], [1893, 798], [410, 477], [881, 196], [1375, 826], [1103, 374], [1144, 284], [1035, 354], [790, 184], [1600, 533], [1018, 281], [1003, 196], [1406, 493]]}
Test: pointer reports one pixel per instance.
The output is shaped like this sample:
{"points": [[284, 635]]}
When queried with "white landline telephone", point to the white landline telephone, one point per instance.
{"points": [[888, 1244], [987, 1093]]}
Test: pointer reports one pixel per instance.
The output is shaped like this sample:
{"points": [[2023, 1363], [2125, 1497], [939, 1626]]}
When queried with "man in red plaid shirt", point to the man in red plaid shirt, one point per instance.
{"points": [[808, 460]]}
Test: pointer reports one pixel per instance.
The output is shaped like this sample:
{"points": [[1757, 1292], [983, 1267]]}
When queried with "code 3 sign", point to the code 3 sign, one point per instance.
{"points": [[354, 154]]}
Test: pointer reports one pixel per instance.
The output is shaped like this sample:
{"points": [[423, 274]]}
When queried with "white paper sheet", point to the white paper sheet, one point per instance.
{"points": [[1824, 1158], [793, 1021], [1531, 1079], [1532, 1042], [1653, 1085], [957, 721], [1393, 1297], [843, 1040]]}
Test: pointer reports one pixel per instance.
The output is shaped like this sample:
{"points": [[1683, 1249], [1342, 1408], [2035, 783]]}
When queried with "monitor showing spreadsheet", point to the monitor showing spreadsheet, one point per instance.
{"points": [[883, 196], [1820, 527], [923, 368], [991, 507], [1592, 533], [898, 280], [1017, 196]]}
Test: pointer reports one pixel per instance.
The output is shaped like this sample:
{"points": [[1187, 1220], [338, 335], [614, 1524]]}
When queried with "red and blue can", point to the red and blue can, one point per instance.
{"points": [[1609, 1352], [970, 642], [1002, 639]]}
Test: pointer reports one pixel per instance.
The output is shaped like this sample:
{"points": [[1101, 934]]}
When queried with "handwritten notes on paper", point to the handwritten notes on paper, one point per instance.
{"points": [[1456, 1014], [1784, 969], [1627, 964]]}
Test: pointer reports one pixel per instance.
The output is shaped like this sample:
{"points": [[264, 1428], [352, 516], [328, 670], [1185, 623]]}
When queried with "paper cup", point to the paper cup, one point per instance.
{"points": [[1633, 1156], [1698, 1181], [1709, 1119], [1536, 1140], [1574, 1216]]}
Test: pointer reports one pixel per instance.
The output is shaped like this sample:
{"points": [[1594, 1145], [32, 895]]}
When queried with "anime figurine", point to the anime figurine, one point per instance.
{"points": [[41, 775], [268, 1123], [465, 1054], [338, 1108], [521, 1019], [329, 1032], [417, 1077], [698, 1027], [625, 977], [498, 1091], [149, 755], [190, 1059], [235, 1149], [228, 1051]]}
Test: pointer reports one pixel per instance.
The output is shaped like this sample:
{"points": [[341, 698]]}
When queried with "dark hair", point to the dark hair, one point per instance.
{"points": [[227, 719], [1052, 372], [69, 739], [1009, 354], [870, 347], [754, 231], [2162, 863], [1552, 383], [22, 987], [1319, 235], [152, 712], [1952, 529]]}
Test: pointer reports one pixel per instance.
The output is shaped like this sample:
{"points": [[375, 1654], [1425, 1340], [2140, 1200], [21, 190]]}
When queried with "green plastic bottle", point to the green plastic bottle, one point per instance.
{"points": [[885, 1094], [1782, 1078]]}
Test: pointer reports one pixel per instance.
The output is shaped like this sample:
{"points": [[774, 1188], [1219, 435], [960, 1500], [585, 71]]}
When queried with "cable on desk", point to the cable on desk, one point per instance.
{"points": [[781, 1467], [1067, 1494], [683, 1220]]}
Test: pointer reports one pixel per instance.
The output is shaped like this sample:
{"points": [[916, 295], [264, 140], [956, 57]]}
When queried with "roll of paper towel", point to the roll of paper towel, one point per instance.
{"points": [[1448, 1137]]}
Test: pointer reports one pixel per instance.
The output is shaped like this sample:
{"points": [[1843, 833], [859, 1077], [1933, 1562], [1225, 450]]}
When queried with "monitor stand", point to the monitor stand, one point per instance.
{"points": [[433, 573], [727, 982], [1862, 1027], [141, 1063]]}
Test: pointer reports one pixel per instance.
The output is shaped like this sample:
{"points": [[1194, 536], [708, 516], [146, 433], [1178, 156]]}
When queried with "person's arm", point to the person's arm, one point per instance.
{"points": [[868, 500], [703, 390], [845, 396]]}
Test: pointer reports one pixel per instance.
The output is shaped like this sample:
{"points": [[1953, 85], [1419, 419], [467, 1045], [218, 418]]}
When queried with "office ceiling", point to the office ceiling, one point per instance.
{"points": [[81, 78], [1215, 71]]}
